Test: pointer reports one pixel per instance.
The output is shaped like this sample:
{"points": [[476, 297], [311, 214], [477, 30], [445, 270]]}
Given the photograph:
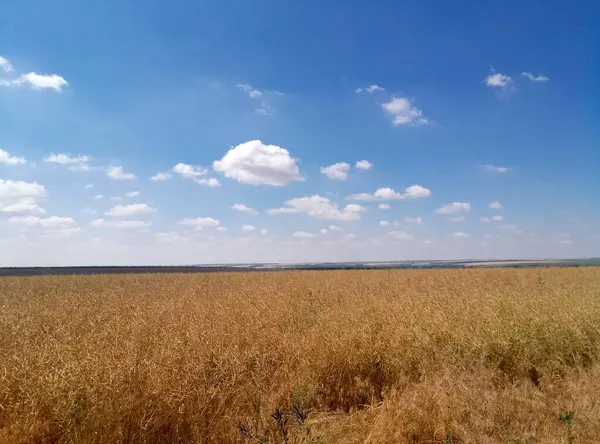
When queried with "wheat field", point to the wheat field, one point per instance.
{"points": [[384, 356]]}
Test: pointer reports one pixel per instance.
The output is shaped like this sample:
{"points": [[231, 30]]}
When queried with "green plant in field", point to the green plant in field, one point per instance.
{"points": [[567, 418]]}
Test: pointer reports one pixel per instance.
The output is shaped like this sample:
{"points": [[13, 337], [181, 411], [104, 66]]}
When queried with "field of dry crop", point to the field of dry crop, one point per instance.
{"points": [[386, 356]]}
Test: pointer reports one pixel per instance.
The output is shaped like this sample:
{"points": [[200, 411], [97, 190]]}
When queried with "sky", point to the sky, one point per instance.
{"points": [[236, 131]]}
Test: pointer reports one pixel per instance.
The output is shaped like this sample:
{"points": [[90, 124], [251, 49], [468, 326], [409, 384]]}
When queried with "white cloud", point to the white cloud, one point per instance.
{"points": [[66, 159], [495, 205], [170, 236], [161, 176], [126, 224], [88, 186], [491, 219], [454, 207], [370, 89], [384, 223], [258, 164], [37, 81], [264, 231], [496, 169], [118, 173], [5, 65], [413, 220], [52, 222], [130, 210], [401, 235], [18, 197], [22, 206], [323, 231], [460, 235], [303, 235], [320, 207], [335, 228], [16, 189], [189, 171], [533, 78], [243, 208], [74, 163], [7, 159], [383, 206], [98, 196], [200, 222], [195, 173], [337, 171], [364, 165], [248, 228], [456, 219], [252, 92], [403, 112], [221, 229], [498, 80], [412, 192], [132, 194]]}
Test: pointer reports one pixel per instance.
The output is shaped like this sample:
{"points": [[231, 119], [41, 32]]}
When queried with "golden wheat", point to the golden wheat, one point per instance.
{"points": [[384, 356]]}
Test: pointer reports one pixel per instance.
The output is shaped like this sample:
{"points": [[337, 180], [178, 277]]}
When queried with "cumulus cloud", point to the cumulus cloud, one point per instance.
{"points": [[383, 206], [7, 159], [501, 81], [74, 163], [337, 171], [303, 235], [130, 210], [400, 235], [403, 112], [412, 192], [320, 207], [189, 171], [248, 228], [126, 224], [258, 164], [170, 236], [495, 205], [384, 223], [533, 78], [252, 92], [460, 235], [491, 219], [200, 222], [52, 222], [195, 173], [41, 81], [118, 173], [132, 194], [19, 197], [22, 206], [161, 176], [335, 228], [454, 207], [5, 65], [363, 165], [244, 209], [496, 169], [370, 89]]}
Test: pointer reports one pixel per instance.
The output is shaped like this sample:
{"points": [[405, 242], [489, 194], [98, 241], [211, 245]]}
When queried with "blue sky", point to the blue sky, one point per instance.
{"points": [[269, 105]]}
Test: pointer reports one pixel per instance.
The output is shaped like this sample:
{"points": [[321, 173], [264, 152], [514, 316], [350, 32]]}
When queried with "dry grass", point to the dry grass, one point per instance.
{"points": [[482, 356]]}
